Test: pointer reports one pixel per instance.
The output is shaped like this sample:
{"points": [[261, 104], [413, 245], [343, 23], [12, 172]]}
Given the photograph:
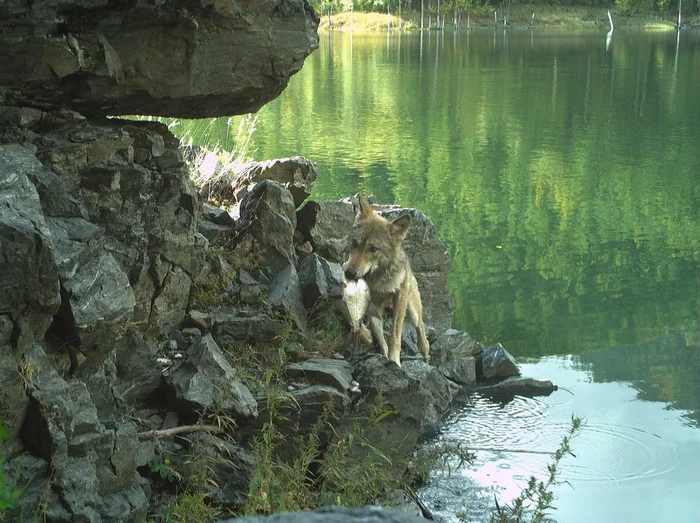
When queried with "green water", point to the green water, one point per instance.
{"points": [[562, 174]]}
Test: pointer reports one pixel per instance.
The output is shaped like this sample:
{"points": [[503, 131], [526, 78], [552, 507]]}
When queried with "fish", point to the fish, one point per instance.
{"points": [[356, 299]]}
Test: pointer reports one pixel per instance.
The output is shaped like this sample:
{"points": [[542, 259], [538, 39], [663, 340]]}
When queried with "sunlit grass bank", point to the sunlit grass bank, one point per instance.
{"points": [[519, 16]]}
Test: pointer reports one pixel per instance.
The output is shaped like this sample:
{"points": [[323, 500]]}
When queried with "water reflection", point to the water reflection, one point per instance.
{"points": [[623, 451]]}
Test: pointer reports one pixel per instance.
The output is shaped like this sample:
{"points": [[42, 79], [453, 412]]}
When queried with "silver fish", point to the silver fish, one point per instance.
{"points": [[356, 298]]}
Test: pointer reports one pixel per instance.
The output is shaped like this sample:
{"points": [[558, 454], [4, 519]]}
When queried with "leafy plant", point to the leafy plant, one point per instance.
{"points": [[536, 499], [164, 467]]}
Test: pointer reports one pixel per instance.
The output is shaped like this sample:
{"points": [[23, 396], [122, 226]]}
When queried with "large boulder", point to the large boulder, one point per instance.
{"points": [[267, 214], [206, 380], [415, 398], [297, 174], [196, 60]]}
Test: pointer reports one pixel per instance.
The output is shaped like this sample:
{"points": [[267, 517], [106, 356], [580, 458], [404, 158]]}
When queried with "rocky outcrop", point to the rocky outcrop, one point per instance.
{"points": [[191, 60]]}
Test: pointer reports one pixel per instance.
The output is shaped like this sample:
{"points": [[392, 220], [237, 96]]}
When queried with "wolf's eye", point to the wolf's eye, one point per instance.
{"points": [[373, 249], [355, 243]]}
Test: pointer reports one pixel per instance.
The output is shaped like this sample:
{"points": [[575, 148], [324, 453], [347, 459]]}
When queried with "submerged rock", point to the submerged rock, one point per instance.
{"points": [[498, 363]]}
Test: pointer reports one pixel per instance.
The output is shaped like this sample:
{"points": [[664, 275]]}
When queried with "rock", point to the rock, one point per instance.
{"points": [[415, 397], [199, 319], [518, 386], [139, 377], [319, 279], [297, 415], [14, 376], [285, 293], [212, 231], [297, 174], [101, 208], [207, 380], [326, 225], [152, 58], [454, 354], [323, 371], [230, 464], [334, 515], [90, 461], [99, 295], [29, 282], [267, 214], [230, 330], [497, 363], [76, 241], [217, 215], [6, 328]]}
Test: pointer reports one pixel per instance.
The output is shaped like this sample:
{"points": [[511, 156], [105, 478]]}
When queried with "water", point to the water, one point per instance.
{"points": [[562, 172]]}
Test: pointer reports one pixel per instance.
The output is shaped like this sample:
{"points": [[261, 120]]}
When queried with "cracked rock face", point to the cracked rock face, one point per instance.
{"points": [[183, 59], [97, 229]]}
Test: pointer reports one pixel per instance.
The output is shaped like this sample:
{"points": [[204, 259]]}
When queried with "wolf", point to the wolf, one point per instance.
{"points": [[375, 252]]}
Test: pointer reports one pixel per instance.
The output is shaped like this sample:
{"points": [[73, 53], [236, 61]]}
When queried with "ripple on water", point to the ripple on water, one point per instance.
{"points": [[519, 436]]}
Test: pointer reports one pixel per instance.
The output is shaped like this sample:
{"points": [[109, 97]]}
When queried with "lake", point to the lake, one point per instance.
{"points": [[562, 171]]}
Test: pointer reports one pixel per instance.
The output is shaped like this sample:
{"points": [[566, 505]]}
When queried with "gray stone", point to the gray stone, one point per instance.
{"points": [[297, 174], [149, 58], [319, 279], [498, 363], [139, 376], [76, 241], [334, 515], [297, 415], [212, 231], [217, 215], [231, 466], [29, 283], [230, 330], [323, 371], [285, 293], [454, 354], [415, 397], [326, 224], [518, 386], [100, 295], [6, 328], [168, 308], [267, 213], [207, 380]]}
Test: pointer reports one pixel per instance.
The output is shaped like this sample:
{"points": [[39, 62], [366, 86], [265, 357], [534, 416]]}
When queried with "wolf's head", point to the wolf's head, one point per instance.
{"points": [[374, 244]]}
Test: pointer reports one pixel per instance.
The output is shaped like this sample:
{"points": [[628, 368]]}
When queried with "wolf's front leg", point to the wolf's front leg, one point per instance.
{"points": [[376, 324]]}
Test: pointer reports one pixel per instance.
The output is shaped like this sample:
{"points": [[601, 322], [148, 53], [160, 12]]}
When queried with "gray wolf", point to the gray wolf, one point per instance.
{"points": [[375, 252]]}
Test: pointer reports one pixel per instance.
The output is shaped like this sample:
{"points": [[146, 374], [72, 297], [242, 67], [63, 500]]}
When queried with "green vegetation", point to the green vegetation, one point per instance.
{"points": [[431, 14], [9, 494], [536, 499]]}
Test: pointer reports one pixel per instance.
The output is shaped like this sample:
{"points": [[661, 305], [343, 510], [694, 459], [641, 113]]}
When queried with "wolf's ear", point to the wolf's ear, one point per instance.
{"points": [[364, 210], [399, 227]]}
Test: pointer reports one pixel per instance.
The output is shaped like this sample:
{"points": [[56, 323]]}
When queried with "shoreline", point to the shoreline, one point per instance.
{"points": [[521, 17]]}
